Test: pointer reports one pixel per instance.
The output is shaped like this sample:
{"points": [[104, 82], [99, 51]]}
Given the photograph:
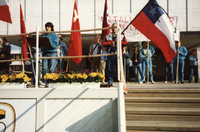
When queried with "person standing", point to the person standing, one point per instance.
{"points": [[126, 56], [146, 55], [5, 55], [103, 61], [110, 43], [169, 66], [193, 66], [61, 51], [182, 51], [137, 64], [49, 51], [95, 49]]}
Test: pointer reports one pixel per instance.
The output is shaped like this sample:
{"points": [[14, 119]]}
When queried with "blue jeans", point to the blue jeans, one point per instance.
{"points": [[111, 62], [180, 70], [127, 73], [136, 69], [51, 63], [60, 64], [167, 67], [193, 71], [144, 65]]}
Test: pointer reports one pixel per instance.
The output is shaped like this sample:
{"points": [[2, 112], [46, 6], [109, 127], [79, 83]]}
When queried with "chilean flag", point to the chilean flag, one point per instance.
{"points": [[5, 12], [155, 25], [75, 43]]}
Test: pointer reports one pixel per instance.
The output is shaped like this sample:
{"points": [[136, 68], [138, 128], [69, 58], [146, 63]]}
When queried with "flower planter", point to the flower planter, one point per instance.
{"points": [[13, 85], [75, 85]]}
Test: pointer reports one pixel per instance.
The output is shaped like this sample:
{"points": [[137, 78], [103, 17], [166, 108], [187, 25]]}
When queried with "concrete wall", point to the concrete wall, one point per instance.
{"points": [[38, 12]]}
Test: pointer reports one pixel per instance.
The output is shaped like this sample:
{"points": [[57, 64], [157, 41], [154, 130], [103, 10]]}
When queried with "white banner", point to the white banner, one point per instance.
{"points": [[131, 33]]}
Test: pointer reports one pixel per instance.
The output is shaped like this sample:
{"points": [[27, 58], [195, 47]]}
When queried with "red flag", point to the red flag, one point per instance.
{"points": [[105, 22], [4, 11], [23, 30], [75, 45]]}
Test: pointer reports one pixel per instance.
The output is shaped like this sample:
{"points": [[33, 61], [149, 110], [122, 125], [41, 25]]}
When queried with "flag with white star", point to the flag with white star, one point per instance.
{"points": [[156, 26]]}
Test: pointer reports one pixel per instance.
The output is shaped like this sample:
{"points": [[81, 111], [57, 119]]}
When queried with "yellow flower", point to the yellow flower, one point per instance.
{"points": [[5, 79], [3, 82], [93, 74], [70, 76], [47, 76], [3, 76], [26, 79], [85, 76], [65, 77]]}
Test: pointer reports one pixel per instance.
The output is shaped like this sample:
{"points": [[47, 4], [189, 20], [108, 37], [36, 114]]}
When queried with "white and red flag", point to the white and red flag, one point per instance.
{"points": [[155, 25], [75, 44], [105, 22], [5, 12], [23, 30]]}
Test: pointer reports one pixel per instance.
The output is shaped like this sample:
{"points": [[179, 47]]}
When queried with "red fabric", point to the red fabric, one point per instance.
{"points": [[23, 30], [146, 27], [5, 14], [105, 22], [75, 45]]}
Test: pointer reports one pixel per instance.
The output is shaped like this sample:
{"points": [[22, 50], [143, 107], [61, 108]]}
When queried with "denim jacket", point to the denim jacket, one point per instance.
{"points": [[193, 60], [183, 53], [150, 53], [54, 40]]}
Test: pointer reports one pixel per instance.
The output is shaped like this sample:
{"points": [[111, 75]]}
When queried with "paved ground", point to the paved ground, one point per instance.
{"points": [[161, 85]]}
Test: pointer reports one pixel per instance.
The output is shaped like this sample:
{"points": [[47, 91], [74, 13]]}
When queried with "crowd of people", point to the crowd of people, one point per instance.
{"points": [[141, 59]]}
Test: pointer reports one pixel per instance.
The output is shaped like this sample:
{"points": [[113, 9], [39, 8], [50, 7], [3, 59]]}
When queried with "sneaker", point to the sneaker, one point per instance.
{"points": [[127, 82], [172, 81], [140, 82], [144, 82], [152, 82], [110, 84], [165, 81]]}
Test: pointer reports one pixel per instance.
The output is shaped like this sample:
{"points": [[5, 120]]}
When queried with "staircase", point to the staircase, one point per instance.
{"points": [[163, 109]]}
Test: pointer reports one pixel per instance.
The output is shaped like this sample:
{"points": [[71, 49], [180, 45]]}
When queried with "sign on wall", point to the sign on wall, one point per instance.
{"points": [[17, 115]]}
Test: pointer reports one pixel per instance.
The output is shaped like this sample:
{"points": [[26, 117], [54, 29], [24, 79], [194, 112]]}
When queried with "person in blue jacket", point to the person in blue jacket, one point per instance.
{"points": [[126, 55], [182, 51], [193, 66], [146, 56], [137, 64], [49, 51], [61, 51]]}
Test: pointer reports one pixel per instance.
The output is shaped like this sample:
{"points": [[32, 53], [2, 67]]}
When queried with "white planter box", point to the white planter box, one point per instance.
{"points": [[12, 85], [75, 85]]}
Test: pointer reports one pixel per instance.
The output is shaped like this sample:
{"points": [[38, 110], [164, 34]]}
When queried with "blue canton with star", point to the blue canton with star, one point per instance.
{"points": [[152, 11]]}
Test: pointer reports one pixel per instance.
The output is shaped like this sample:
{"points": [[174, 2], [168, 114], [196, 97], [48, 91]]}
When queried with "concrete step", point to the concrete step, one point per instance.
{"points": [[169, 105], [131, 117], [162, 99], [191, 126], [161, 111], [163, 92]]}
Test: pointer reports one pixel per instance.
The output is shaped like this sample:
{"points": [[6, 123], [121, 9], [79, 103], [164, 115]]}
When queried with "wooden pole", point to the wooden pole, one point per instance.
{"points": [[67, 65], [147, 61], [177, 66]]}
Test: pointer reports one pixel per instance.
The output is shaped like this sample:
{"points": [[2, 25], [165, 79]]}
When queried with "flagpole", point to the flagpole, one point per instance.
{"points": [[67, 65], [147, 61], [177, 66], [37, 55]]}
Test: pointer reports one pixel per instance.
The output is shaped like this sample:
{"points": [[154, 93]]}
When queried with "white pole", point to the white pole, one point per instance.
{"points": [[121, 106], [147, 61], [37, 55]]}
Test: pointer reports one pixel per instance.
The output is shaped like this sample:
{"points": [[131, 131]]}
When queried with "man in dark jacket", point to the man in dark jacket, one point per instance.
{"points": [[5, 55]]}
